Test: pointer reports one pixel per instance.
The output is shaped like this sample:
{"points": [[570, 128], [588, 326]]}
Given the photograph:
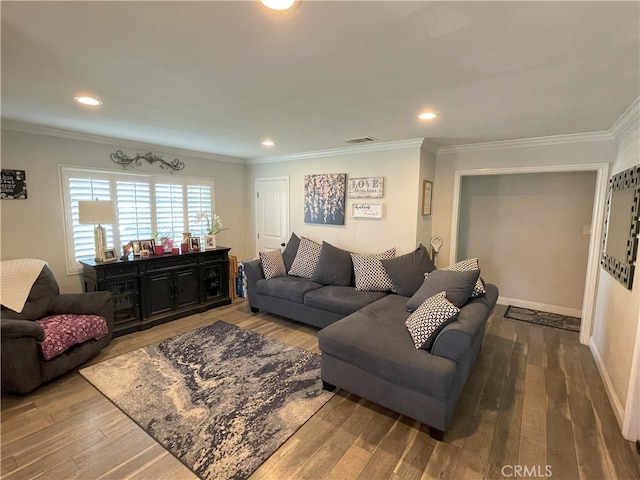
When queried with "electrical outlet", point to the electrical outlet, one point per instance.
{"points": [[586, 230]]}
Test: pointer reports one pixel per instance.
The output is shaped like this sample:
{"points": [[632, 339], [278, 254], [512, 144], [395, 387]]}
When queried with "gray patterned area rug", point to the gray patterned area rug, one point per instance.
{"points": [[543, 318], [219, 398]]}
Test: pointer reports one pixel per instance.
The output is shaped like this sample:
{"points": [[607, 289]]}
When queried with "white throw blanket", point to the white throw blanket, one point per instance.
{"points": [[16, 279]]}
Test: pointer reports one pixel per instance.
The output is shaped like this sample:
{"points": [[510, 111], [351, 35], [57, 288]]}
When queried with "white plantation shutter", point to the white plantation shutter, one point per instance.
{"points": [[170, 210], [145, 205], [83, 239], [199, 201], [134, 210]]}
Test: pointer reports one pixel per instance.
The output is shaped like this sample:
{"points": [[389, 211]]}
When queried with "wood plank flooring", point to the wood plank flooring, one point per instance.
{"points": [[534, 399]]}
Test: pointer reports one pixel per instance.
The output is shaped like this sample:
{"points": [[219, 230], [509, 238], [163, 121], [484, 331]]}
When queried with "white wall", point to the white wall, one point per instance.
{"points": [[527, 231], [400, 168], [427, 172], [34, 227], [615, 335], [506, 156]]}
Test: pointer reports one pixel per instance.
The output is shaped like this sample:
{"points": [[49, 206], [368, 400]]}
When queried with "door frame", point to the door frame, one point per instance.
{"points": [[595, 239], [257, 180]]}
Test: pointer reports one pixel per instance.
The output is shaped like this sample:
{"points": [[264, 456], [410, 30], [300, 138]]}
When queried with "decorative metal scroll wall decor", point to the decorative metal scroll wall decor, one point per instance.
{"points": [[622, 225], [121, 159]]}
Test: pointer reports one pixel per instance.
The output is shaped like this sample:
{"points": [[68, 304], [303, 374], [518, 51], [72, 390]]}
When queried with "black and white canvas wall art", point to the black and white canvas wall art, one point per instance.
{"points": [[324, 198]]}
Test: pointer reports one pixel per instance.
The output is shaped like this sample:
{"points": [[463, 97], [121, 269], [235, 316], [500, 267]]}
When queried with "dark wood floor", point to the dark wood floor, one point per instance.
{"points": [[534, 404]]}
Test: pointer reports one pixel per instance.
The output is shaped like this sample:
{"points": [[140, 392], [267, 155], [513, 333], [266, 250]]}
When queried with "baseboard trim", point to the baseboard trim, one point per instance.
{"points": [[543, 307], [616, 405]]}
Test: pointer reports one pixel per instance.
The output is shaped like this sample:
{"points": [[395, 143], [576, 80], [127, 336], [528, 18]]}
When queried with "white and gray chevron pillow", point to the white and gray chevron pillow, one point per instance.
{"points": [[429, 318]]}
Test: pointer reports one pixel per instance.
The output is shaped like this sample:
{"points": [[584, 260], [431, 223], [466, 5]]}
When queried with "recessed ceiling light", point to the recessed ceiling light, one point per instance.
{"points": [[427, 116], [88, 101], [268, 143], [278, 4]]}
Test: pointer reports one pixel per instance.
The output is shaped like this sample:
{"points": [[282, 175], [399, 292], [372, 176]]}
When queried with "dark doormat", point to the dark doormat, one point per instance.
{"points": [[543, 318]]}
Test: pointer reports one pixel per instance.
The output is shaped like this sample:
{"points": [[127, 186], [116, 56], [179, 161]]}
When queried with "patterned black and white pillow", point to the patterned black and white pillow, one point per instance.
{"points": [[306, 258], [433, 315], [272, 263], [370, 273], [465, 266]]}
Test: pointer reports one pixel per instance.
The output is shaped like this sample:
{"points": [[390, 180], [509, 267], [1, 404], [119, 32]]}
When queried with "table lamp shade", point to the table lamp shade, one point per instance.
{"points": [[95, 212]]}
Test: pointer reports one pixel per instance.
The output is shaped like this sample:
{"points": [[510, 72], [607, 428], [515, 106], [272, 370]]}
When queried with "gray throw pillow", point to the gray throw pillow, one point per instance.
{"points": [[463, 266], [290, 250], [407, 271], [457, 285], [334, 267]]}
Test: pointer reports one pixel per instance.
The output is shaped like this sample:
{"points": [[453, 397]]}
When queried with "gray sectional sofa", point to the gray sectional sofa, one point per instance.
{"points": [[366, 348]]}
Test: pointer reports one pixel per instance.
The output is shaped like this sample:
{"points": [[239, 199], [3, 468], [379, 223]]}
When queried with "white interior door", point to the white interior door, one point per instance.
{"points": [[272, 212]]}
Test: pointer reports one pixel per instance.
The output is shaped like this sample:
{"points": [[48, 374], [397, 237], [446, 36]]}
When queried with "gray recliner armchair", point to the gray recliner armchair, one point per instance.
{"points": [[23, 365]]}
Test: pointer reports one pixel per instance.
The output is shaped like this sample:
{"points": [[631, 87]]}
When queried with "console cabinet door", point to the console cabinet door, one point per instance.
{"points": [[159, 294], [126, 314], [186, 288]]}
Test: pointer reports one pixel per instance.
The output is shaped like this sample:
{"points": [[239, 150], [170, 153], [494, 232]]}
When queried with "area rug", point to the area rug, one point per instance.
{"points": [[219, 398], [543, 318]]}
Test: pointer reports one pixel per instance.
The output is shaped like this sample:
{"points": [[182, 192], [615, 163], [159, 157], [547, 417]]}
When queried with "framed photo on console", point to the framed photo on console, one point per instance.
{"points": [[194, 244], [109, 255], [209, 242]]}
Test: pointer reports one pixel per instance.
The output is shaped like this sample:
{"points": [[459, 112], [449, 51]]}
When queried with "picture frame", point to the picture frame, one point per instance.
{"points": [[135, 245], [427, 189], [148, 245], [366, 187], [209, 242], [194, 244], [109, 255], [13, 184], [366, 210]]}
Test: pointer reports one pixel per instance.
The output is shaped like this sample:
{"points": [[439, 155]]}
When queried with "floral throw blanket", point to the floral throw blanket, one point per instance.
{"points": [[61, 332]]}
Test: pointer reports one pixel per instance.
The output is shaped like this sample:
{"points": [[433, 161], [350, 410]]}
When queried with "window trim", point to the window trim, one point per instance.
{"points": [[66, 171]]}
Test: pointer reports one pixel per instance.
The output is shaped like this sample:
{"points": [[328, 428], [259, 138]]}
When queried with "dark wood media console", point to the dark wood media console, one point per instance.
{"points": [[158, 289]]}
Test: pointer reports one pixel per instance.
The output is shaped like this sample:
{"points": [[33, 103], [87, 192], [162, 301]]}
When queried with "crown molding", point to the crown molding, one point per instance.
{"points": [[430, 146], [17, 126], [626, 120], [529, 142], [375, 147]]}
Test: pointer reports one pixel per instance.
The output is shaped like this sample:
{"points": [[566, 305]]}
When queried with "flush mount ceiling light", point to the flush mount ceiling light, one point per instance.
{"points": [[268, 143], [427, 116], [279, 4], [88, 101]]}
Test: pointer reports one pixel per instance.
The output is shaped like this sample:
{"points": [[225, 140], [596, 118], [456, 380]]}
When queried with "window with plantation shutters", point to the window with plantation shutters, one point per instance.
{"points": [[199, 201], [87, 189], [170, 209], [146, 205], [134, 210]]}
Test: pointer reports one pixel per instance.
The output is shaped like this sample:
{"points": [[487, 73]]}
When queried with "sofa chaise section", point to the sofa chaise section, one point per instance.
{"points": [[370, 353]]}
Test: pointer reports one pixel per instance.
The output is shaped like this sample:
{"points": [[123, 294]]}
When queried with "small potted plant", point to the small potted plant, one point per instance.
{"points": [[214, 227]]}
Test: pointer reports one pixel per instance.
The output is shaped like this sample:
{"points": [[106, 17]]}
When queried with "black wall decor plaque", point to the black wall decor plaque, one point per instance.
{"points": [[13, 185]]}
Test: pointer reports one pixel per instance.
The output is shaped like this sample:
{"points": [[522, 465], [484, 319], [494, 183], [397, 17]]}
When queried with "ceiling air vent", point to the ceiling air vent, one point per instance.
{"points": [[361, 140]]}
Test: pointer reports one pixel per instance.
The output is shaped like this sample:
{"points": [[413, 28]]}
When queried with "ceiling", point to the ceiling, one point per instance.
{"points": [[220, 77]]}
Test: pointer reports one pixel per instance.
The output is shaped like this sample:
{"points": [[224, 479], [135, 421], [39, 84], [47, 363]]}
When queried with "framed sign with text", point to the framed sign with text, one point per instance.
{"points": [[13, 185], [427, 188], [366, 210], [370, 187]]}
